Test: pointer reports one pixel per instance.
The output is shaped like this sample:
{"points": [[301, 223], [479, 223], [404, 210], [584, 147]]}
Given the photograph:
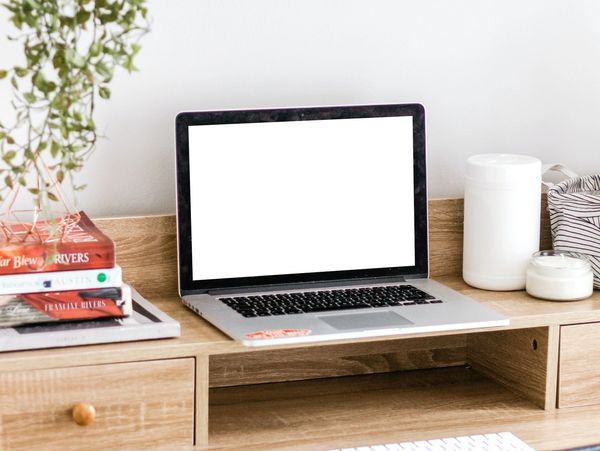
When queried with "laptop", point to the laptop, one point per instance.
{"points": [[310, 224]]}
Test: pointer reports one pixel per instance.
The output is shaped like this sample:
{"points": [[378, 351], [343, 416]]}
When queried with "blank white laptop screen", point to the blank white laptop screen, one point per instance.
{"points": [[274, 198]]}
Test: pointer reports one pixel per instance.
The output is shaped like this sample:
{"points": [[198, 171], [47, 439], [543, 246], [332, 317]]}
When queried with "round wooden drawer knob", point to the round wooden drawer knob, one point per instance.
{"points": [[83, 414]]}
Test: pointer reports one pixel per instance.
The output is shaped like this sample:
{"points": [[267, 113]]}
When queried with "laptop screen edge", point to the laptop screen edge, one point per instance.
{"points": [[188, 286]]}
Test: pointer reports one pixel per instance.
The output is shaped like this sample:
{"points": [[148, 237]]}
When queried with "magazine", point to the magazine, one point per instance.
{"points": [[31, 308], [146, 322]]}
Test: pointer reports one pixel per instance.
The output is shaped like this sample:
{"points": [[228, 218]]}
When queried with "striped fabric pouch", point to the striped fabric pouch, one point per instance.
{"points": [[574, 207]]}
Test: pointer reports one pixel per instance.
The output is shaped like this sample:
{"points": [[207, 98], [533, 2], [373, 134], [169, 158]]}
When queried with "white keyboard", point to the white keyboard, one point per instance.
{"points": [[503, 441]]}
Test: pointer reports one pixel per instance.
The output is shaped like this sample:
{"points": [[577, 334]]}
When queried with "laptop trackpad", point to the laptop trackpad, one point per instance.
{"points": [[374, 320]]}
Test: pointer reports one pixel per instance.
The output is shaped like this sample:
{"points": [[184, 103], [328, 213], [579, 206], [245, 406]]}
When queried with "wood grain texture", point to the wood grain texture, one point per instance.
{"points": [[298, 415], [198, 336], [406, 405], [201, 402], [579, 381], [137, 405], [446, 235], [146, 250], [523, 360], [336, 360], [384, 408]]}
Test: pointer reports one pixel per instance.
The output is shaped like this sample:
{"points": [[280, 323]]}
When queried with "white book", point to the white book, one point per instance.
{"points": [[43, 282], [147, 322]]}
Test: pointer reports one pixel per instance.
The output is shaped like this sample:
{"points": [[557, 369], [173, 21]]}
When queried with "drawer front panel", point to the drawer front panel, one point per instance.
{"points": [[579, 365], [136, 405]]}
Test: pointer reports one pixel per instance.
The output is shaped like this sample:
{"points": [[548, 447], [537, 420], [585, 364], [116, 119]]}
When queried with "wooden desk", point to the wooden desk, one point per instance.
{"points": [[538, 378]]}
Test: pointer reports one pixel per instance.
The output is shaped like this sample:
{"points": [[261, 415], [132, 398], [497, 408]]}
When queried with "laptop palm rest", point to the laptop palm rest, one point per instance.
{"points": [[374, 320]]}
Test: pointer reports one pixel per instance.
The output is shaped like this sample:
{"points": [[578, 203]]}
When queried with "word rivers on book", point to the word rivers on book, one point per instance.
{"points": [[75, 305], [61, 259]]}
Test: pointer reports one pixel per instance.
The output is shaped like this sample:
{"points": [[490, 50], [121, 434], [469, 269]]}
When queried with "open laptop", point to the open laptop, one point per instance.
{"points": [[310, 224]]}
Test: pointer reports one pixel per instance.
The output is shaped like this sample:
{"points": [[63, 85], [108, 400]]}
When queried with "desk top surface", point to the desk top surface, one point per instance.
{"points": [[483, 405], [199, 337]]}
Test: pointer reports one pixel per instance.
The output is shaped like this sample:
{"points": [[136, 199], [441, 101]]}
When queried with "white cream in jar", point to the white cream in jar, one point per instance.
{"points": [[559, 276]]}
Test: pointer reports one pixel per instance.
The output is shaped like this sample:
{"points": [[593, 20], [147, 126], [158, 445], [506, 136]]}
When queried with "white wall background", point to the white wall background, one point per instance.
{"points": [[495, 76]]}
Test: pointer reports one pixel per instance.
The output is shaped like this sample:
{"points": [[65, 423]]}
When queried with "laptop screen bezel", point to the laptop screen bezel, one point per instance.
{"points": [[184, 237]]}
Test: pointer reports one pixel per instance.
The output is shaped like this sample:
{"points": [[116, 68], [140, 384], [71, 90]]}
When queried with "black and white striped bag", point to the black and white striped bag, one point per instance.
{"points": [[574, 207]]}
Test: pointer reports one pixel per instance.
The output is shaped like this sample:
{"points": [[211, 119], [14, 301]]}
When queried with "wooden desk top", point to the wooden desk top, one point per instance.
{"points": [[146, 250], [360, 410], [198, 336]]}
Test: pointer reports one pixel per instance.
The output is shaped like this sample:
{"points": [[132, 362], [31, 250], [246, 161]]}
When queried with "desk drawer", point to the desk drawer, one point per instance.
{"points": [[137, 405], [579, 365]]}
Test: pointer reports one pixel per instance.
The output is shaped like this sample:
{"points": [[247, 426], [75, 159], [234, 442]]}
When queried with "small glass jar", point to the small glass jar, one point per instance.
{"points": [[559, 276]]}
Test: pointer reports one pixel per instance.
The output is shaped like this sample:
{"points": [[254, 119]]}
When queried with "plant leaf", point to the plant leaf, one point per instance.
{"points": [[8, 156], [30, 97], [74, 58], [82, 16], [104, 92], [21, 71], [54, 149], [39, 81], [104, 71]]}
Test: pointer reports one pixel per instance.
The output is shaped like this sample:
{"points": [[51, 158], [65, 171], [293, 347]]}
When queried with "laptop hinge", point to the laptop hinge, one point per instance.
{"points": [[307, 285]]}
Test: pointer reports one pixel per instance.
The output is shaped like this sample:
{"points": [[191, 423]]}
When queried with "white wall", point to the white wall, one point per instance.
{"points": [[495, 76]]}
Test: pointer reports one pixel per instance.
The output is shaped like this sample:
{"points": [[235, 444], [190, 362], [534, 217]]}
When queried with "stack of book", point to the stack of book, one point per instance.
{"points": [[72, 284], [74, 278]]}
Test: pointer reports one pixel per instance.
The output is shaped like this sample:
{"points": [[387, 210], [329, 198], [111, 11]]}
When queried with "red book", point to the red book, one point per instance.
{"points": [[82, 246], [77, 305]]}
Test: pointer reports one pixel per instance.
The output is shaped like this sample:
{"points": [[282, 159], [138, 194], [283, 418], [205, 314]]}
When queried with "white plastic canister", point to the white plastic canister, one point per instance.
{"points": [[502, 219]]}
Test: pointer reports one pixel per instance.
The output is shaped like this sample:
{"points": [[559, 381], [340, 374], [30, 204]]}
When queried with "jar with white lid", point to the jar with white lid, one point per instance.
{"points": [[501, 219], [559, 276]]}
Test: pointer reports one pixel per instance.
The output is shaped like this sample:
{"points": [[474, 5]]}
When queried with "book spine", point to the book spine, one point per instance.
{"points": [[36, 308], [85, 279], [61, 256]]}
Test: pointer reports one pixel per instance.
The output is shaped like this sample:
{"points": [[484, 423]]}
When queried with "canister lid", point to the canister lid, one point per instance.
{"points": [[504, 168], [559, 263]]}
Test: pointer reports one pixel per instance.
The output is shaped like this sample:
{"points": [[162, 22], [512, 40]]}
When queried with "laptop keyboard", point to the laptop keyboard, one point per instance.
{"points": [[328, 300]]}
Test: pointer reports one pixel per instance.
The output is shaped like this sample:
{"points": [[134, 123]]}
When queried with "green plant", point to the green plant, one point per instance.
{"points": [[71, 50]]}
